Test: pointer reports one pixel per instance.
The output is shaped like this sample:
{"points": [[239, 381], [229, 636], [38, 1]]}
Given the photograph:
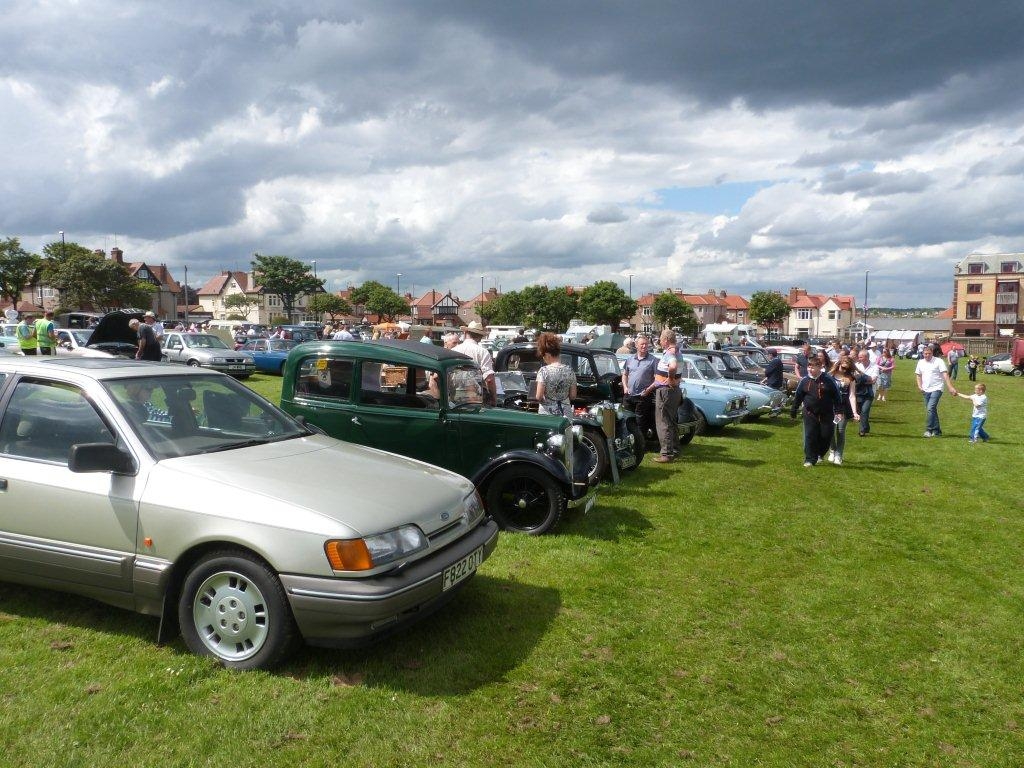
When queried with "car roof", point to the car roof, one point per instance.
{"points": [[580, 349], [100, 368], [396, 348]]}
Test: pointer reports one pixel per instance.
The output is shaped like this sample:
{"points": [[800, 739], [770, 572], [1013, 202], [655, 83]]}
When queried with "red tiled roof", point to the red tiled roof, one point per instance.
{"points": [[946, 314], [216, 284], [160, 272], [735, 301]]}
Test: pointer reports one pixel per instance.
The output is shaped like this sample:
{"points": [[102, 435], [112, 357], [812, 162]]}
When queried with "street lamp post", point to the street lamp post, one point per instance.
{"points": [[314, 269], [398, 290], [480, 303], [186, 297], [631, 285], [865, 328]]}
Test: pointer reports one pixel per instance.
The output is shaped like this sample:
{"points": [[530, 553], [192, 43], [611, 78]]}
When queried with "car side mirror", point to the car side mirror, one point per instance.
{"points": [[100, 457]]}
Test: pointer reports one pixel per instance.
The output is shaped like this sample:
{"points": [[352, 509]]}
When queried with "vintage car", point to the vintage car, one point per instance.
{"points": [[427, 402], [180, 493], [764, 401], [9, 338], [204, 350], [269, 355], [114, 336], [719, 402], [74, 342], [756, 358], [598, 380]]}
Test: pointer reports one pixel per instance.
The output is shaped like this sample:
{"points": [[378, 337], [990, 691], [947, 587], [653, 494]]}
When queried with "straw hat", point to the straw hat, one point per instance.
{"points": [[475, 329]]}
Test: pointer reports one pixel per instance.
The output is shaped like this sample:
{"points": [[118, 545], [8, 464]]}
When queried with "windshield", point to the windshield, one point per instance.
{"points": [[510, 381], [465, 385], [187, 414], [606, 363], [203, 341], [81, 337], [704, 368], [747, 363], [280, 345]]}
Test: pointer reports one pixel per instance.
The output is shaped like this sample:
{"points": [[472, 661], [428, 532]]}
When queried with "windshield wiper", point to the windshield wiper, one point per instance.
{"points": [[237, 444]]}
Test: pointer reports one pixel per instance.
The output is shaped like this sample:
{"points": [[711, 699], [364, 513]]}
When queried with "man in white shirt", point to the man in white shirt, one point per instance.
{"points": [[158, 327], [471, 346], [931, 376], [343, 334]]}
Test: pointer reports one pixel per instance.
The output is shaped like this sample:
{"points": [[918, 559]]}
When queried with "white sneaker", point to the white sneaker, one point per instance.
{"points": [[832, 456], [838, 461], [808, 464]]}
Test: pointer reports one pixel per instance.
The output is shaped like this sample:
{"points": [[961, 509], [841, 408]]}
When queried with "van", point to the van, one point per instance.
{"points": [[225, 325]]}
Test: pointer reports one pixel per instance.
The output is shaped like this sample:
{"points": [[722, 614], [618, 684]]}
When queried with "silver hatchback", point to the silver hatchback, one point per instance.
{"points": [[205, 350], [182, 494]]}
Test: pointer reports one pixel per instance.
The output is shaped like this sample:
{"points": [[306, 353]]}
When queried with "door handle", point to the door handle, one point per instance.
{"points": [[356, 421], [3, 484]]}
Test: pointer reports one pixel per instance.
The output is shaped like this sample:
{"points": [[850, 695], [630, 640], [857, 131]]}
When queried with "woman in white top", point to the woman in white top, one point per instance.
{"points": [[556, 382]]}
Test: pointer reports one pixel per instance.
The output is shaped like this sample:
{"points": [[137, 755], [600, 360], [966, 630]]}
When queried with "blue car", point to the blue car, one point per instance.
{"points": [[718, 402], [269, 354]]}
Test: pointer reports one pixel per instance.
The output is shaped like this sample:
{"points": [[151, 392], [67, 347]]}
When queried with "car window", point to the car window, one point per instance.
{"points": [[174, 342], [325, 377], [718, 364], [582, 366], [186, 415], [525, 360], [607, 364], [205, 341], [398, 386], [465, 385], [687, 370], [45, 418]]}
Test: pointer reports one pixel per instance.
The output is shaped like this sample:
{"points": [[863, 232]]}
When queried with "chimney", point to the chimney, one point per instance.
{"points": [[117, 255], [722, 294], [100, 252]]}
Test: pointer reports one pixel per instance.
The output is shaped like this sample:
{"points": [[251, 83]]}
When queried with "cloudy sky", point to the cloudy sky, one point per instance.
{"points": [[729, 145]]}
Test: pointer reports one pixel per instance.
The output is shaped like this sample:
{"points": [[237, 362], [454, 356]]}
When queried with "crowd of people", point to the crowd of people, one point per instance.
{"points": [[840, 384]]}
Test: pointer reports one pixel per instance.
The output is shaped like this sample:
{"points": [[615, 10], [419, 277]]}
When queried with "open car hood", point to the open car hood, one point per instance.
{"points": [[113, 335]]}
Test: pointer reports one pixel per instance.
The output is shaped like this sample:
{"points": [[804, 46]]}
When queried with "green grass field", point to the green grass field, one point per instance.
{"points": [[730, 609]]}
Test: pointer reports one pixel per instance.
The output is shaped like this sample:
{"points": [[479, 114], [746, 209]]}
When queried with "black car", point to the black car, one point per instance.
{"points": [[113, 335], [727, 365], [598, 379]]}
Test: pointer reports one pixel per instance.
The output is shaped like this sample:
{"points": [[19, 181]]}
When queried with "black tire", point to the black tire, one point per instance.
{"points": [[639, 443], [193, 363], [280, 371], [525, 499], [1018, 372], [597, 450], [233, 608], [687, 438], [702, 424]]}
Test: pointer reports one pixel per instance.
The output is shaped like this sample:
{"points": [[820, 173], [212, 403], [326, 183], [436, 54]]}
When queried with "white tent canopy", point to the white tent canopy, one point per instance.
{"points": [[897, 336], [732, 331]]}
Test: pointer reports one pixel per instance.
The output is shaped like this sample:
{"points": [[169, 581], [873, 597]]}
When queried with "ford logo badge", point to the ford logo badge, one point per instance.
{"points": [[445, 515]]}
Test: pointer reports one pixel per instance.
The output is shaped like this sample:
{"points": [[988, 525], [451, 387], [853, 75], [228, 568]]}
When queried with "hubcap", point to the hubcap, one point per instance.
{"points": [[230, 616]]}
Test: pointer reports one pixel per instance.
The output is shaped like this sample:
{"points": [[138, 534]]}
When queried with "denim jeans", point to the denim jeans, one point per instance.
{"points": [[864, 406], [931, 412], [978, 428], [839, 437]]}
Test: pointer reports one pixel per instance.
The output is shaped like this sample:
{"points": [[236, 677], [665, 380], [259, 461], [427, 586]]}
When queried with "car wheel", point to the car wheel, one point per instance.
{"points": [[597, 451], [639, 443], [194, 363], [702, 424], [280, 371], [1018, 372], [687, 438], [233, 608], [525, 499]]}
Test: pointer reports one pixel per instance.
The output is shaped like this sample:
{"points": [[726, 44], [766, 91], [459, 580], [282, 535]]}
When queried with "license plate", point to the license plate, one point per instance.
{"points": [[236, 367], [456, 572]]}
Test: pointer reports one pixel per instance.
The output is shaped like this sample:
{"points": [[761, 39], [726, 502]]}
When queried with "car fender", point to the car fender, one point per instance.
{"points": [[534, 458]]}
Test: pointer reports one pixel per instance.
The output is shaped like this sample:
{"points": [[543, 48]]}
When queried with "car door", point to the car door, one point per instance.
{"points": [[323, 391], [396, 413], [174, 348], [57, 527]]}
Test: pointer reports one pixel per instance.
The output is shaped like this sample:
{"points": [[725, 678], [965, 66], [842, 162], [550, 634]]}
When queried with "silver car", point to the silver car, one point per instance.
{"points": [[204, 350], [181, 494]]}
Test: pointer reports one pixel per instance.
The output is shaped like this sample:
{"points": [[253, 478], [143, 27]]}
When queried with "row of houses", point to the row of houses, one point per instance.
{"points": [[986, 301]]}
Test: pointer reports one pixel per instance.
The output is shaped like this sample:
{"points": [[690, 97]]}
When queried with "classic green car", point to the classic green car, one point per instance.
{"points": [[427, 403]]}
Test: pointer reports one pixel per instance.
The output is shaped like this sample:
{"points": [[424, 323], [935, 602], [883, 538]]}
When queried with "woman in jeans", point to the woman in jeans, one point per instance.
{"points": [[886, 363], [845, 374]]}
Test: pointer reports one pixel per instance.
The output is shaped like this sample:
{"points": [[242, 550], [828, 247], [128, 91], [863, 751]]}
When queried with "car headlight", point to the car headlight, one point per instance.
{"points": [[555, 443], [373, 551], [473, 507]]}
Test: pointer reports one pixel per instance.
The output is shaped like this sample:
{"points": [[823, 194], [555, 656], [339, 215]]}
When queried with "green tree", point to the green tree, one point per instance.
{"points": [[671, 311], [378, 299], [768, 308], [18, 267], [243, 302], [328, 303], [605, 303], [286, 278], [506, 309], [87, 280], [550, 309]]}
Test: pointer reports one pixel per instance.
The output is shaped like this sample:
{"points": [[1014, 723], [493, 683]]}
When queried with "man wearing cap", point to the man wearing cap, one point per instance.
{"points": [[156, 325], [471, 347], [26, 333], [46, 336]]}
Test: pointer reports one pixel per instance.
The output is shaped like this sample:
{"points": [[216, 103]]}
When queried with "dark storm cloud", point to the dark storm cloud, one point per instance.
{"points": [[611, 214], [770, 54], [871, 184]]}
